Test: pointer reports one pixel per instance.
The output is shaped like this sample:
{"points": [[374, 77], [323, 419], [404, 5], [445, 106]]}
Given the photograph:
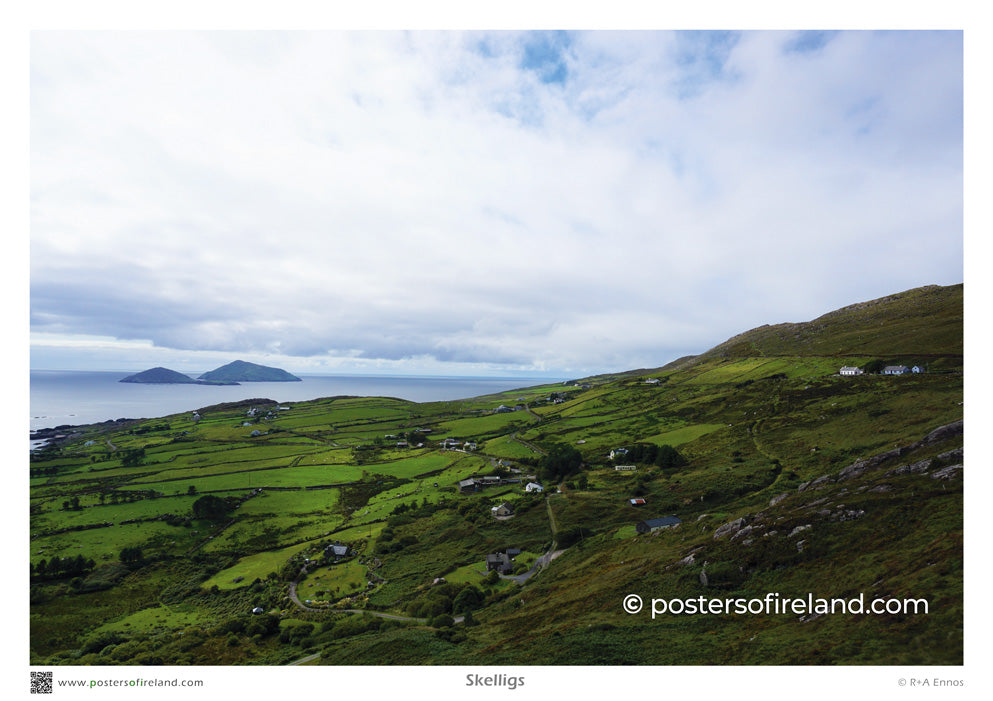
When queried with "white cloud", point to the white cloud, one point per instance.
{"points": [[407, 196]]}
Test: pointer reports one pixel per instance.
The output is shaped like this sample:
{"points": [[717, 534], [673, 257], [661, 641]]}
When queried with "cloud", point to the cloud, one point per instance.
{"points": [[581, 201]]}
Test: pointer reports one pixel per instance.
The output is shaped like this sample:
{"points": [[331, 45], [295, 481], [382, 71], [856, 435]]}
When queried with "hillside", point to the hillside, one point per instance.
{"points": [[160, 375], [786, 479], [919, 323], [241, 371]]}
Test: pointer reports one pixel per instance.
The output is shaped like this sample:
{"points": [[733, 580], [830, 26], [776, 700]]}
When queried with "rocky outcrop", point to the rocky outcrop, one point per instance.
{"points": [[731, 527]]}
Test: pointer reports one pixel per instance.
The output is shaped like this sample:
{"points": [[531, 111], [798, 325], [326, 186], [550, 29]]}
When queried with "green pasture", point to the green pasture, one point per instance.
{"points": [[113, 513], [309, 501], [333, 582], [506, 447], [106, 543], [156, 619], [253, 567], [485, 424]]}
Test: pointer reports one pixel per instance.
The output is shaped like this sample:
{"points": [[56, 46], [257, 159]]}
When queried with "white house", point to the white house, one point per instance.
{"points": [[896, 370], [917, 369], [652, 381], [851, 371], [618, 453], [533, 487]]}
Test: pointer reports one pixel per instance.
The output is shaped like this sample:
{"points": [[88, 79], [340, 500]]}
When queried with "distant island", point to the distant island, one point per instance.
{"points": [[240, 371], [165, 376]]}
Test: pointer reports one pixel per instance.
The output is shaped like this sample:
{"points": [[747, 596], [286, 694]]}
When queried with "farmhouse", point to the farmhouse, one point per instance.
{"points": [[499, 562], [917, 369], [618, 453], [502, 510], [652, 381], [625, 468], [654, 524], [851, 371], [533, 487], [896, 370], [336, 551], [468, 485], [503, 409]]}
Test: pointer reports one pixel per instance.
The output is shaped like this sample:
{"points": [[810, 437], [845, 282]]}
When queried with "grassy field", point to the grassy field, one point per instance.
{"points": [[764, 428]]}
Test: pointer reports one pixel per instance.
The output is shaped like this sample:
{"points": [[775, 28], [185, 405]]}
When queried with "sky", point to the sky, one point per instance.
{"points": [[548, 203]]}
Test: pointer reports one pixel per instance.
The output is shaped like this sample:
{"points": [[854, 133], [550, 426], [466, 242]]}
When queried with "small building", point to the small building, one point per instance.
{"points": [[401, 444], [469, 485], [654, 524], [256, 433], [637, 501], [336, 551], [257, 610], [533, 487], [618, 453], [625, 468], [247, 423], [503, 409], [499, 562], [896, 370], [917, 369], [513, 552], [652, 381], [469, 445], [502, 510], [851, 371]]}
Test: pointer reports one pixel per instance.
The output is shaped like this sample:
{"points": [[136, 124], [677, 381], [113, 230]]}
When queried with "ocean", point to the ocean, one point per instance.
{"points": [[75, 397]]}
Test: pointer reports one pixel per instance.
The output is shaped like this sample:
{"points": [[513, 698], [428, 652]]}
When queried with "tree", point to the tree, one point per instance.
{"points": [[468, 599], [132, 457], [210, 507], [560, 462], [874, 366], [192, 490]]}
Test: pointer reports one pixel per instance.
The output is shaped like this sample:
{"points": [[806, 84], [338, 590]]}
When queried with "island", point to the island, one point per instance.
{"points": [[165, 376], [241, 371]]}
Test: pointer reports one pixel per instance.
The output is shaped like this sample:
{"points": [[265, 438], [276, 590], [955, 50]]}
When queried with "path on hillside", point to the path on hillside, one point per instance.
{"points": [[513, 436]]}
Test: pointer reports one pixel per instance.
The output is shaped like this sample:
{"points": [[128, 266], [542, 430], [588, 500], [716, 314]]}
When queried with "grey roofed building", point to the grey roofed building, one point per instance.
{"points": [[896, 370], [653, 524], [468, 485], [336, 551], [499, 562]]}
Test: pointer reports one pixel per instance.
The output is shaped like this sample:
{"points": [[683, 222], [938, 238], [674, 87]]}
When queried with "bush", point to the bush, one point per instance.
{"points": [[442, 621]]}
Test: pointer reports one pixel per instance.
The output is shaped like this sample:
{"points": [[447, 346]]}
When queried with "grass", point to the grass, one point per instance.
{"points": [[755, 418]]}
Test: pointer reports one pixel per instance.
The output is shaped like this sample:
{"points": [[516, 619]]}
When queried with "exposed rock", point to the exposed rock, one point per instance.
{"points": [[847, 514], [798, 529], [951, 456], [943, 432], [882, 489], [770, 534], [816, 484], [800, 545], [730, 527], [776, 499], [947, 473], [742, 532], [688, 560], [703, 576]]}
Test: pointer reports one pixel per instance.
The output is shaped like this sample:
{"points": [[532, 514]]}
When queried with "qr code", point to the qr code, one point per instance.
{"points": [[41, 682]]}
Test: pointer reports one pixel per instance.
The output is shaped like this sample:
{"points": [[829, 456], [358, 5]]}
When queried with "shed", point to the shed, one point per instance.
{"points": [[654, 524]]}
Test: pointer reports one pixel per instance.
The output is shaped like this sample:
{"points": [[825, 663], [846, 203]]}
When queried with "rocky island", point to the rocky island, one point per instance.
{"points": [[165, 376], [241, 371]]}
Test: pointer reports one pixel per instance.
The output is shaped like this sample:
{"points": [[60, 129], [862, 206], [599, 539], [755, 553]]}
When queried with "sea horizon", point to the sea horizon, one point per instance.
{"points": [[81, 397]]}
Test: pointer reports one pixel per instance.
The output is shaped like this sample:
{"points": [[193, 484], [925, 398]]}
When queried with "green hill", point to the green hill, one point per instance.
{"points": [[241, 371], [160, 376], [926, 321], [789, 482]]}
